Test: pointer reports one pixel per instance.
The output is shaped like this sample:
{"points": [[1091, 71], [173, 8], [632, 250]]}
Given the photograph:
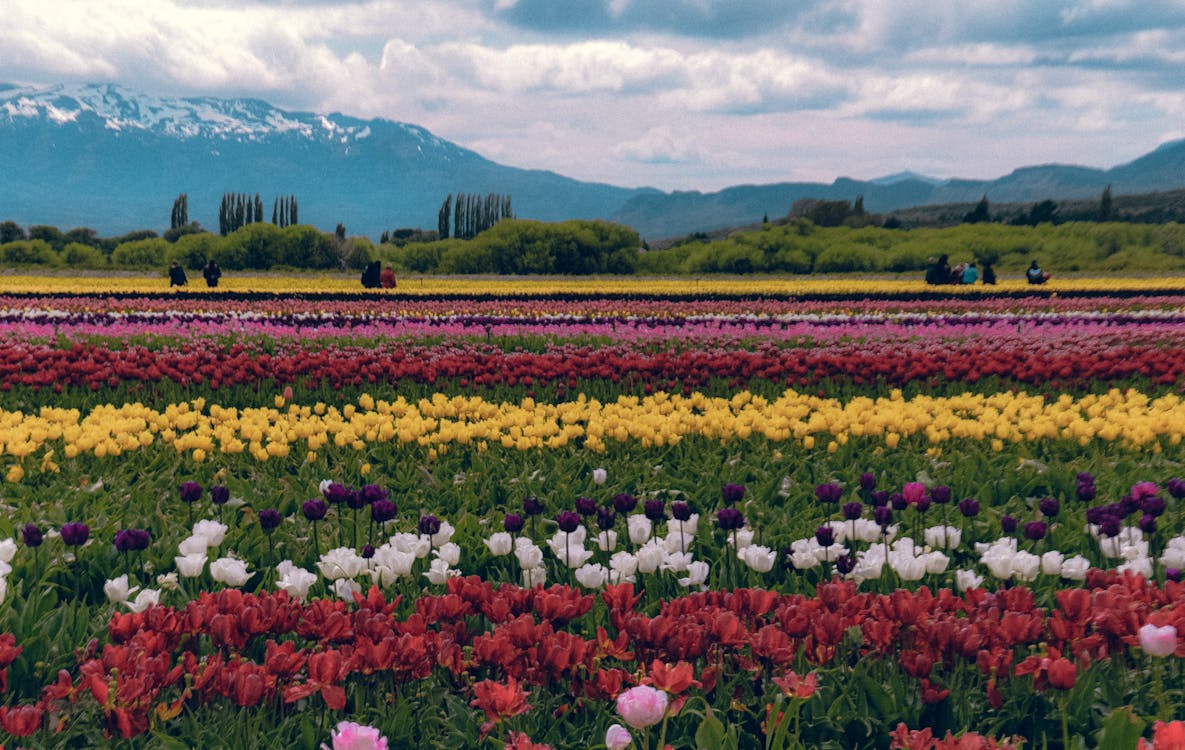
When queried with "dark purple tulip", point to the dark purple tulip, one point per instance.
{"points": [[1176, 487], [868, 481], [513, 523], [1147, 523], [852, 511], [681, 510], [624, 502], [845, 564], [1110, 526], [606, 517], [532, 506], [568, 521], [382, 511], [429, 525], [1095, 514], [586, 506], [922, 505], [31, 535], [729, 519], [269, 519], [825, 536], [732, 493], [1153, 505], [1086, 492], [655, 510], [1049, 506], [219, 495], [1173, 574], [367, 551], [879, 498], [132, 540], [883, 515], [829, 492], [1035, 530], [335, 493], [355, 500], [898, 501], [372, 493], [314, 510], [191, 492], [1008, 524], [1084, 477], [1128, 505], [940, 494], [969, 507], [75, 534]]}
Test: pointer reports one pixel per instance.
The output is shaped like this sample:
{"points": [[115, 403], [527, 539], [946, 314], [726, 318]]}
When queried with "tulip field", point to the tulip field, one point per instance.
{"points": [[746, 514]]}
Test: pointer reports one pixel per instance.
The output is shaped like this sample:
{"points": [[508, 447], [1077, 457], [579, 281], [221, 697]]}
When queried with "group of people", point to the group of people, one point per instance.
{"points": [[939, 271], [211, 272], [374, 278]]}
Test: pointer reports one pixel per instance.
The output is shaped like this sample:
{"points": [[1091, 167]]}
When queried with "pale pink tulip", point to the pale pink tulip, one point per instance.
{"points": [[1160, 641], [617, 738], [642, 706], [351, 736]]}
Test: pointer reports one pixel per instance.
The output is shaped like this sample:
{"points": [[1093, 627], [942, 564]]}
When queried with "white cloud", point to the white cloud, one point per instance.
{"points": [[659, 145]]}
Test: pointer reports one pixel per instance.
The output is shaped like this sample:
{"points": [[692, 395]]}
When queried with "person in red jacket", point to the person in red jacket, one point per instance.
{"points": [[387, 278]]}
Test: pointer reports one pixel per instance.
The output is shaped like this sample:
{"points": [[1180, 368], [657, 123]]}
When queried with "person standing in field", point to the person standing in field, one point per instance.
{"points": [[1035, 275], [177, 275], [989, 274], [212, 273], [387, 278], [970, 273]]}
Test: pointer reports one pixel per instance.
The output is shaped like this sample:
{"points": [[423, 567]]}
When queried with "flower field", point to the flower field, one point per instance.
{"points": [[727, 514]]}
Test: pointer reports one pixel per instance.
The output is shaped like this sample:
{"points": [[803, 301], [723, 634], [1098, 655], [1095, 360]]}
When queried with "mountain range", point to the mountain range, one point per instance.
{"points": [[105, 157]]}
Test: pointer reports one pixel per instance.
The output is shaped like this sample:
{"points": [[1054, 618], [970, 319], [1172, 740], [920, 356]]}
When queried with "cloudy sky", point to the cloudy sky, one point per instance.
{"points": [[676, 94]]}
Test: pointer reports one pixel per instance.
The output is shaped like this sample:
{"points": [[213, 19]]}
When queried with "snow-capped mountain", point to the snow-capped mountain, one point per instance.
{"points": [[112, 159]]}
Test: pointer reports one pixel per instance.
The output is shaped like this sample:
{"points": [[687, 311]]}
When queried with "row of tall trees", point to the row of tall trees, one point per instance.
{"points": [[240, 209], [180, 215], [471, 214]]}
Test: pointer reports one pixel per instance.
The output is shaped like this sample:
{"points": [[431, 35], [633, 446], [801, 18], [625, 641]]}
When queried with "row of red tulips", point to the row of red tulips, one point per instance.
{"points": [[727, 647], [1068, 362]]}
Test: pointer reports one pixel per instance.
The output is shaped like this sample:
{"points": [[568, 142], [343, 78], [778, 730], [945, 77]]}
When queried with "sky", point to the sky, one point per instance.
{"points": [[673, 94]]}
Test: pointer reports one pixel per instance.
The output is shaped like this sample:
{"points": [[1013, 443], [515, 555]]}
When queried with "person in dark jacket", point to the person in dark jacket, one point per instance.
{"points": [[370, 277], [989, 274], [212, 273], [177, 275]]}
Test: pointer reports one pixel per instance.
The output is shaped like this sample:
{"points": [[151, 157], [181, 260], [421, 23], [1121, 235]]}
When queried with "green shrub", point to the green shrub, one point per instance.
{"points": [[148, 253], [27, 252], [845, 257], [78, 255]]}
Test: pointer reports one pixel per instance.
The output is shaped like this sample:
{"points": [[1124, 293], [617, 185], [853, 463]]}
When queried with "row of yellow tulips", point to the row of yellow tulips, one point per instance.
{"points": [[1128, 418], [340, 283]]}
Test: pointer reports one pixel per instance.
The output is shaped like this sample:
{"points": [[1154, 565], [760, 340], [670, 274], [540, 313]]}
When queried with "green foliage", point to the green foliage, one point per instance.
{"points": [[149, 253], [27, 252], [10, 231], [194, 250], [78, 255], [302, 246], [51, 235]]}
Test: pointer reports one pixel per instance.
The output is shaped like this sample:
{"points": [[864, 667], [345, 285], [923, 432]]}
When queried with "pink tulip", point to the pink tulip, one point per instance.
{"points": [[913, 492], [617, 738], [351, 736], [1160, 641], [642, 706]]}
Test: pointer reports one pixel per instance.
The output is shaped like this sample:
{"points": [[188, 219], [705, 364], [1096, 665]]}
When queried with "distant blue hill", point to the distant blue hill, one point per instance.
{"points": [[108, 158]]}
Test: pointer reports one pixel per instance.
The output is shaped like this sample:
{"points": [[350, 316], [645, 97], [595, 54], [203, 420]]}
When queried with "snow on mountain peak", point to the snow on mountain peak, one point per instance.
{"points": [[120, 109]]}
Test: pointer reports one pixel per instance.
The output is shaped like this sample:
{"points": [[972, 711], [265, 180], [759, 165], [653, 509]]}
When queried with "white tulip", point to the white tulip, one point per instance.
{"points": [[191, 565], [500, 543], [607, 540], [1025, 566], [758, 557], [439, 572], [592, 576], [1075, 568], [650, 556], [967, 579], [230, 571], [118, 590], [213, 531], [145, 599], [296, 581], [450, 553], [599, 476], [345, 588], [533, 577], [943, 536], [341, 563], [7, 550], [697, 573], [193, 545], [442, 536], [1051, 563], [624, 566], [640, 528], [529, 556]]}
